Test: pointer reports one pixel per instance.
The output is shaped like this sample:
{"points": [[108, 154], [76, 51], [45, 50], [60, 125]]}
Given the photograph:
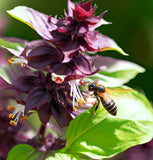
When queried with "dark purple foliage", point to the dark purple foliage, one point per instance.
{"points": [[42, 56]]}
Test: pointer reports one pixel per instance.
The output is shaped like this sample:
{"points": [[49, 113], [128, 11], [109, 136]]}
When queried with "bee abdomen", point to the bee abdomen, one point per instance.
{"points": [[110, 107]]}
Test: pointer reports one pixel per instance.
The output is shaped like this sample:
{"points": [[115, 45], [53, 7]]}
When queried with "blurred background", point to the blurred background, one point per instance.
{"points": [[132, 29]]}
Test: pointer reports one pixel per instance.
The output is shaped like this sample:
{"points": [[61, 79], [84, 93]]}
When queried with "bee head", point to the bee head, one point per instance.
{"points": [[92, 86]]}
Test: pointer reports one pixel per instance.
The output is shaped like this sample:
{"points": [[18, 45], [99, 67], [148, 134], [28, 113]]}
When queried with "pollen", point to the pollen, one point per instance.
{"points": [[19, 64], [11, 116], [80, 103], [17, 60], [74, 109], [18, 112], [10, 61], [23, 118], [13, 123], [86, 100], [10, 108]]}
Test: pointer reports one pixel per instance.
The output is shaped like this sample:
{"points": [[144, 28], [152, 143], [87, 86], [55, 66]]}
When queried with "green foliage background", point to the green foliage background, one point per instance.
{"points": [[132, 29]]}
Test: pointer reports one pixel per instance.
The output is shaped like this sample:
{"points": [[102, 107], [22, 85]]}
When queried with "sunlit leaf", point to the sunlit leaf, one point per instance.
{"points": [[11, 45], [3, 73], [24, 152], [115, 72], [103, 135], [63, 156]]}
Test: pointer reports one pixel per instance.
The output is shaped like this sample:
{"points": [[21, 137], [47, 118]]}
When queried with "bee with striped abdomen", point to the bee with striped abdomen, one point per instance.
{"points": [[102, 93]]}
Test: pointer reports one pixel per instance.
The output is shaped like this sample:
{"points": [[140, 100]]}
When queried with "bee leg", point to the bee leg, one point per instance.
{"points": [[98, 102]]}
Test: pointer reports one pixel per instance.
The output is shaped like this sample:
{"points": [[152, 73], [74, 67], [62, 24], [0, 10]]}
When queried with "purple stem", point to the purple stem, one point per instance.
{"points": [[42, 130]]}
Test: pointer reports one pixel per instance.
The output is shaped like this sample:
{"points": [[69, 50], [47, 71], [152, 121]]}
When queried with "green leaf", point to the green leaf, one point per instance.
{"points": [[115, 72], [103, 135], [63, 156], [3, 73], [25, 152], [11, 45], [7, 70]]}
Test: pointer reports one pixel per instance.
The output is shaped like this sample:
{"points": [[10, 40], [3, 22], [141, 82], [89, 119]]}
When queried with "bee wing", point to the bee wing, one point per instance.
{"points": [[117, 90]]}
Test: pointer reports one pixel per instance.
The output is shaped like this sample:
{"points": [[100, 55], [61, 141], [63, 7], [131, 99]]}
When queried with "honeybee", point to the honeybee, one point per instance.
{"points": [[103, 95]]}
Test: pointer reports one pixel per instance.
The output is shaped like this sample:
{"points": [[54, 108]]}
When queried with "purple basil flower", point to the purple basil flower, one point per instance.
{"points": [[21, 53], [46, 96], [72, 71], [74, 32], [7, 133], [66, 40], [44, 55], [41, 55], [8, 92], [19, 58], [61, 58]]}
